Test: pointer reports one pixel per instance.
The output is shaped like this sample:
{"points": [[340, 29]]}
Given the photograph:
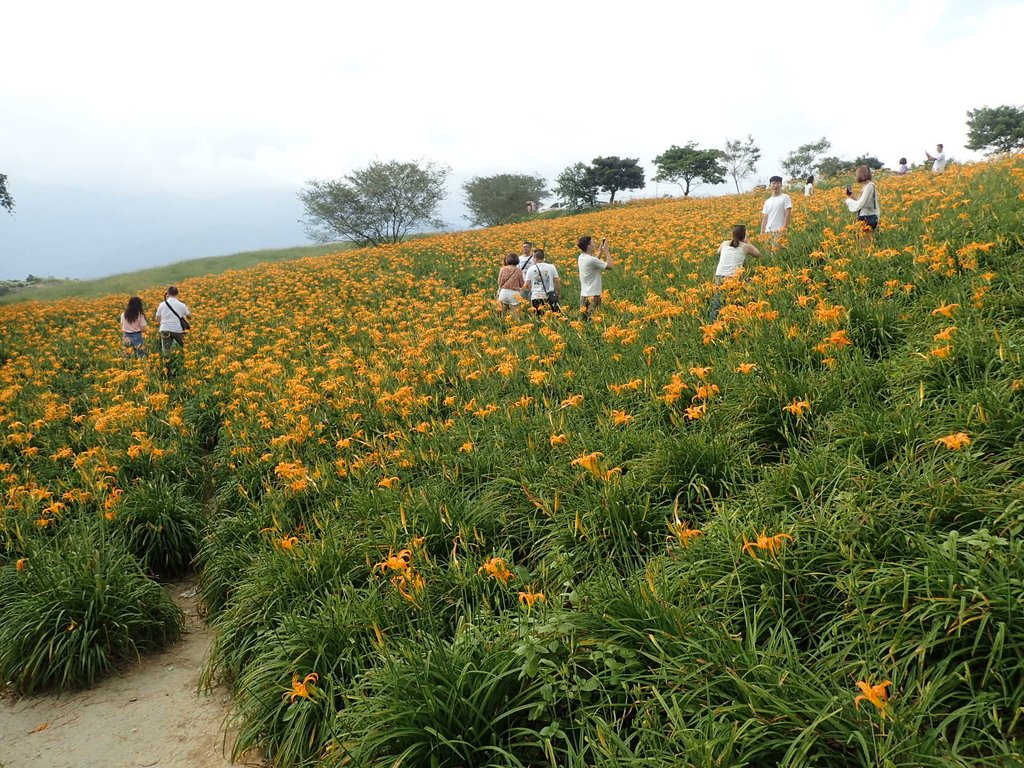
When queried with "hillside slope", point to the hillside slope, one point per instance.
{"points": [[790, 537]]}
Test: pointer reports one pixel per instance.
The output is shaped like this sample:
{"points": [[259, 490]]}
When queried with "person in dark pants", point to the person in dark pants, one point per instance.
{"points": [[172, 314]]}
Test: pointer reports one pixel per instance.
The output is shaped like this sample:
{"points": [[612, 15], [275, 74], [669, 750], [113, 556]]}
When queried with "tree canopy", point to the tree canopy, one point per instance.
{"points": [[804, 160], [870, 161], [494, 200], [740, 159], [833, 166], [616, 173], [995, 129], [6, 201], [690, 166], [577, 186], [380, 203]]}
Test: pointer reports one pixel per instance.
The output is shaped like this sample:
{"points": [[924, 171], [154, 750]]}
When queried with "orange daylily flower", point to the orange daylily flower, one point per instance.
{"points": [[695, 412], [301, 690], [621, 417], [572, 401], [874, 694], [589, 461], [529, 597], [946, 310], [701, 372], [558, 440], [496, 568], [393, 562], [746, 368], [955, 442], [797, 408], [770, 544], [683, 532]]}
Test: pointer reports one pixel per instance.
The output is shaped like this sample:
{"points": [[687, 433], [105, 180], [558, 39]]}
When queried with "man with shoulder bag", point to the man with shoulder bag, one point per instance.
{"points": [[545, 284], [173, 316]]}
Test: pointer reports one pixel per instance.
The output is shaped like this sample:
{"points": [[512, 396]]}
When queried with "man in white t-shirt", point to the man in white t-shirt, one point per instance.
{"points": [[777, 209], [939, 160], [526, 257], [591, 268], [170, 313], [544, 282]]}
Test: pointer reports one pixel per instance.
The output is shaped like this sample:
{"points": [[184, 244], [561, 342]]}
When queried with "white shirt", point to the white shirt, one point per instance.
{"points": [[168, 322], [537, 281], [867, 203], [591, 268], [940, 163], [775, 209], [730, 260], [526, 261], [808, 189]]}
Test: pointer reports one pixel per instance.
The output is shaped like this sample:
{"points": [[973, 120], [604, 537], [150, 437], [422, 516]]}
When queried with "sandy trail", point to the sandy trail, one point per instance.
{"points": [[148, 716]]}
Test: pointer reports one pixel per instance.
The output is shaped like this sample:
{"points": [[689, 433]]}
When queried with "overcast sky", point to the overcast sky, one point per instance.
{"points": [[138, 133]]}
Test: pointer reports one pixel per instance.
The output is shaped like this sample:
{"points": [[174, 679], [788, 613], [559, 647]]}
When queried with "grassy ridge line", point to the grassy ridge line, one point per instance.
{"points": [[132, 283]]}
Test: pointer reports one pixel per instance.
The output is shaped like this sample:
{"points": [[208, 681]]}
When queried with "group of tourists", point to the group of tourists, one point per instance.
{"points": [[529, 276], [173, 317]]}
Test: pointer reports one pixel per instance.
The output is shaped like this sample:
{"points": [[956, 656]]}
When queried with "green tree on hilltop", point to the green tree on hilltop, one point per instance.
{"points": [[870, 161], [616, 173], [740, 159], [995, 129], [381, 203], [577, 186], [690, 166], [804, 160], [494, 200]]}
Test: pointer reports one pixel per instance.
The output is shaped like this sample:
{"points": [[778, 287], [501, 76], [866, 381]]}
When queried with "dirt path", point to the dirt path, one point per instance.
{"points": [[148, 716]]}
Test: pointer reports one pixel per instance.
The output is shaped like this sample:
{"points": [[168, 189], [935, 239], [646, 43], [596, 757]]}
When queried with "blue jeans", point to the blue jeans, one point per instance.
{"points": [[133, 340], [716, 301]]}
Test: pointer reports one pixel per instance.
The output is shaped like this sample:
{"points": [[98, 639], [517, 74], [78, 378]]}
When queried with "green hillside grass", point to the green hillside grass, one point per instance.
{"points": [[131, 283]]}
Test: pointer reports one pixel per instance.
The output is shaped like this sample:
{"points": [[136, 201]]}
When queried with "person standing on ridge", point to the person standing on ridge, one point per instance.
{"points": [[777, 209], [591, 267], [865, 206], [939, 160]]}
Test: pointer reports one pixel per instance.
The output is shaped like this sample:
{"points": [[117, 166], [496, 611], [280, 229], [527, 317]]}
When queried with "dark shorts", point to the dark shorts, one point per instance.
{"points": [[871, 221]]}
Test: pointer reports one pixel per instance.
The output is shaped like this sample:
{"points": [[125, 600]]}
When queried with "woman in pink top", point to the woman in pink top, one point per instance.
{"points": [[510, 282], [133, 322]]}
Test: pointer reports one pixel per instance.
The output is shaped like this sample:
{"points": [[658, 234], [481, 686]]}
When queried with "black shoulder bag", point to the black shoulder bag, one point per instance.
{"points": [[185, 324], [552, 295]]}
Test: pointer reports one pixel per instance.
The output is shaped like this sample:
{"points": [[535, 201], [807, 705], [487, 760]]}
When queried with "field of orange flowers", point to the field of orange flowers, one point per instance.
{"points": [[789, 537]]}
